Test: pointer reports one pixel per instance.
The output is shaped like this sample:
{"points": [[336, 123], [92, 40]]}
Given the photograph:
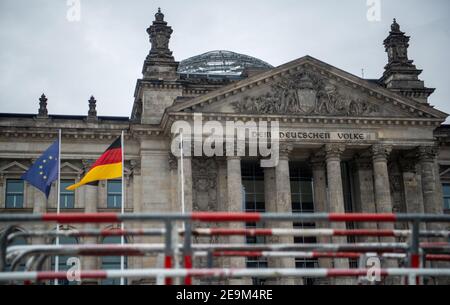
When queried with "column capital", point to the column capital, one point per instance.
{"points": [[285, 150], [380, 152], [229, 158], [317, 160], [334, 151], [427, 153]]}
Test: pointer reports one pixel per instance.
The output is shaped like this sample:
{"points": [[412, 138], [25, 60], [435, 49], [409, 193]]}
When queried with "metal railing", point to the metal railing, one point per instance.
{"points": [[412, 253]]}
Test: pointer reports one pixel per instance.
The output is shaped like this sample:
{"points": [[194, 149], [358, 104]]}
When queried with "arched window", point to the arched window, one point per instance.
{"points": [[62, 265], [112, 262]]}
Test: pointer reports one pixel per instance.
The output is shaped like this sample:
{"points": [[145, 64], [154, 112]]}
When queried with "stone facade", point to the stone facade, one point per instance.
{"points": [[385, 130]]}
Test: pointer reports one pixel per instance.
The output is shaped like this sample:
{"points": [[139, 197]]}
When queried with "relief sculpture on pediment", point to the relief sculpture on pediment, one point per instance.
{"points": [[306, 93]]}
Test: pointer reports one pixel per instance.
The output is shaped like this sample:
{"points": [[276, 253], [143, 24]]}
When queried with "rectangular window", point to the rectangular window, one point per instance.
{"points": [[67, 198], [114, 194], [253, 185], [14, 193], [446, 191]]}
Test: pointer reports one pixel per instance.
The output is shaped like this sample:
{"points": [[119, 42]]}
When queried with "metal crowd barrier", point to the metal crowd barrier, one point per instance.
{"points": [[414, 253]]}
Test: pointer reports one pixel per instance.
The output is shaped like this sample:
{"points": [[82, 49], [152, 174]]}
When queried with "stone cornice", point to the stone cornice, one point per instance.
{"points": [[81, 133], [363, 121]]}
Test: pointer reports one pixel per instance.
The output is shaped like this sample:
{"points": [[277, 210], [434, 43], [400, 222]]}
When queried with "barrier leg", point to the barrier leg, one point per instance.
{"points": [[168, 259], [187, 253], [414, 255]]}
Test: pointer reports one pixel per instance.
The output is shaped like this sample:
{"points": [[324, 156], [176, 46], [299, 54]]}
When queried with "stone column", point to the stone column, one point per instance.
{"points": [[235, 204], [430, 176], [270, 203], [187, 173], [336, 194], [365, 199], [319, 173], [412, 186], [137, 261], [90, 206], [284, 205], [3, 192], [39, 206], [383, 199]]}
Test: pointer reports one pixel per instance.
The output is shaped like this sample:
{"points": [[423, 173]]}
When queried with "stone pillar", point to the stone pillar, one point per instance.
{"points": [[3, 192], [412, 186], [284, 205], [137, 261], [39, 206], [383, 199], [90, 206], [430, 177], [319, 174], [336, 194], [187, 174], [365, 199], [235, 204], [270, 203]]}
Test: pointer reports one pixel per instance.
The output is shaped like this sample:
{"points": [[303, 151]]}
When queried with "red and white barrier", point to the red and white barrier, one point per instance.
{"points": [[218, 273]]}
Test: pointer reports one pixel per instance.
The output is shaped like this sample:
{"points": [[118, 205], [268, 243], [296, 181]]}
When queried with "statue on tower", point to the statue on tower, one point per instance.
{"points": [[401, 75], [159, 33], [396, 45]]}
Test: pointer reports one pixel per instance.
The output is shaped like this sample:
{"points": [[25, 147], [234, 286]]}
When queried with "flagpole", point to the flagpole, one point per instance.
{"points": [[58, 203], [122, 238], [182, 175]]}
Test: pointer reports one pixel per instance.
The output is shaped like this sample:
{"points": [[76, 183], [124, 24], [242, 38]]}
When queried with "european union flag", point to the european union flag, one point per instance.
{"points": [[45, 170]]}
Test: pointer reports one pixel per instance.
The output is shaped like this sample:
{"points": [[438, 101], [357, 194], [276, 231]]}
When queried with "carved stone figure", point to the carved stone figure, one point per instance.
{"points": [[204, 178], [305, 93]]}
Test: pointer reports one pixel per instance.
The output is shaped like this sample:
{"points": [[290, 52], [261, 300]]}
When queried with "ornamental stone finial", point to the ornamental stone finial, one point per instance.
{"points": [[92, 113], [159, 34], [43, 112], [395, 27]]}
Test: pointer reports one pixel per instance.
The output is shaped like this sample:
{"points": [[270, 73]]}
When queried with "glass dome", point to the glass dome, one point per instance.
{"points": [[220, 63]]}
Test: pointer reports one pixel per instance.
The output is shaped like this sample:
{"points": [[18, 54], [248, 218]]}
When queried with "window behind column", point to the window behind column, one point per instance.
{"points": [[114, 199], [112, 262], [446, 192], [14, 193], [253, 184], [67, 198], [302, 202], [62, 260]]}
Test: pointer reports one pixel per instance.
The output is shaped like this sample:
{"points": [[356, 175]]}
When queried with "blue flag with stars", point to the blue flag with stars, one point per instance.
{"points": [[44, 171]]}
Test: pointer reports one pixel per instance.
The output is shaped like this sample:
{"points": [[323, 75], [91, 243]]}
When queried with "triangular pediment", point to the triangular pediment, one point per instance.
{"points": [[69, 168], [13, 167], [308, 87]]}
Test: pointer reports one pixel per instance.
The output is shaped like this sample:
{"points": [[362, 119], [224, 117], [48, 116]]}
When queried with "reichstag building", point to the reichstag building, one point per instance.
{"points": [[347, 144]]}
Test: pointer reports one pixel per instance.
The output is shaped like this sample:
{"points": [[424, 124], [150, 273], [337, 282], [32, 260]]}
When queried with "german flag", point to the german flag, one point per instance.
{"points": [[108, 166]]}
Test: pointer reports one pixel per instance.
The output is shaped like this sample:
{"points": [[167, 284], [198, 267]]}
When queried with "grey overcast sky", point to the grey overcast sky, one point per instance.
{"points": [[102, 54]]}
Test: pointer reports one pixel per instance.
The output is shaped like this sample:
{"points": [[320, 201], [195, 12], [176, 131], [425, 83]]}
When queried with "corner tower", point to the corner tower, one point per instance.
{"points": [[400, 74], [159, 86]]}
